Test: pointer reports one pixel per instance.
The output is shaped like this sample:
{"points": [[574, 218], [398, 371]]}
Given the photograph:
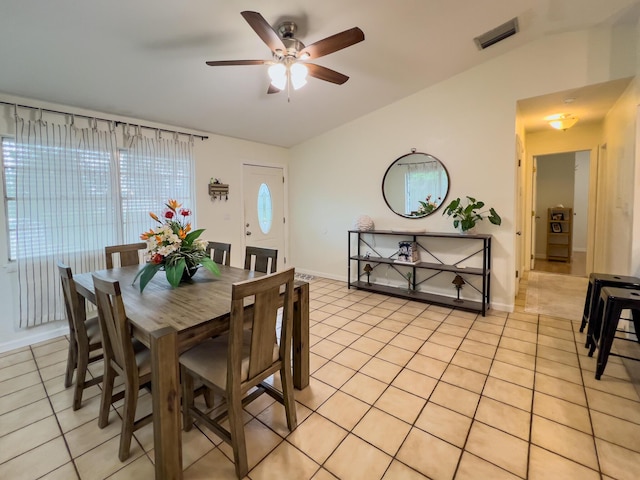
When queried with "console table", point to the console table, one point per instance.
{"points": [[443, 257]]}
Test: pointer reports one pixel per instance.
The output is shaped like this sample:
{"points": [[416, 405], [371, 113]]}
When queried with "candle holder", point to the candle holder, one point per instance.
{"points": [[409, 289], [458, 282], [367, 269]]}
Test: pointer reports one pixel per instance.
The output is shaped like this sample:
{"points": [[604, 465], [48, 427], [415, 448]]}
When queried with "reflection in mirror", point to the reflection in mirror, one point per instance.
{"points": [[415, 185]]}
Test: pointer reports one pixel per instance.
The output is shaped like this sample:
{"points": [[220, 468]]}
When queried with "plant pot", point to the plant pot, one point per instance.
{"points": [[188, 273], [471, 231]]}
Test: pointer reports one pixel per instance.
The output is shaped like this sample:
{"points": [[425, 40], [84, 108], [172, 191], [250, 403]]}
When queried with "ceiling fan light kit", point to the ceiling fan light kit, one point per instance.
{"points": [[288, 67]]}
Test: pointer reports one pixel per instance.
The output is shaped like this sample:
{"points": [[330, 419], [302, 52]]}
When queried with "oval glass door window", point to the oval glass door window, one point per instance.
{"points": [[265, 208]]}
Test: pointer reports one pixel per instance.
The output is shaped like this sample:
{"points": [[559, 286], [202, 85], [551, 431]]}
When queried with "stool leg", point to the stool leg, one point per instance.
{"points": [[587, 307], [595, 324], [610, 320]]}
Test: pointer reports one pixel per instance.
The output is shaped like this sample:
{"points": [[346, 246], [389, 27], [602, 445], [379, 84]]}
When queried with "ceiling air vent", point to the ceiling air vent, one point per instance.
{"points": [[497, 34]]}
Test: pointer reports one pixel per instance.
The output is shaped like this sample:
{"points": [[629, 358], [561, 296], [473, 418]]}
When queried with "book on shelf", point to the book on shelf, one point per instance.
{"points": [[407, 252]]}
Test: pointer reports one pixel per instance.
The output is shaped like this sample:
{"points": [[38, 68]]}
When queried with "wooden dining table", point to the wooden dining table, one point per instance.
{"points": [[171, 320]]}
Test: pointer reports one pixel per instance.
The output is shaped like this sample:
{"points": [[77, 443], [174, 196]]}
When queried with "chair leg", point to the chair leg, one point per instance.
{"points": [[236, 428], [72, 358], [81, 375], [107, 392], [187, 398], [128, 419], [288, 398]]}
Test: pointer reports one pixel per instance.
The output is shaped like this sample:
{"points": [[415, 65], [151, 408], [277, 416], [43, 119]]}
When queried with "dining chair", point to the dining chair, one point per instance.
{"points": [[239, 361], [84, 338], [262, 257], [129, 253], [122, 356], [221, 252]]}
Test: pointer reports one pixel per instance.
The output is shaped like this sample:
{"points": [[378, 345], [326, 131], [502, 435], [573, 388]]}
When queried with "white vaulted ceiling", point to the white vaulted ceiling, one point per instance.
{"points": [[146, 58]]}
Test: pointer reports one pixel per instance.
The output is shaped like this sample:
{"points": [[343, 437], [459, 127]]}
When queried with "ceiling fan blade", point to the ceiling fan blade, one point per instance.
{"points": [[273, 89], [264, 30], [221, 63], [333, 43], [326, 74]]}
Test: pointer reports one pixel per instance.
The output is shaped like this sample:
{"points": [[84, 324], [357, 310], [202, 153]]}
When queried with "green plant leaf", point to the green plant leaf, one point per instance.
{"points": [[146, 274], [494, 217], [210, 265], [191, 236], [451, 208], [174, 272]]}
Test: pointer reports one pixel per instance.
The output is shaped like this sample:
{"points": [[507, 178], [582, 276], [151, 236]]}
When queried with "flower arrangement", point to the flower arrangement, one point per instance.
{"points": [[427, 206], [466, 216], [174, 247]]}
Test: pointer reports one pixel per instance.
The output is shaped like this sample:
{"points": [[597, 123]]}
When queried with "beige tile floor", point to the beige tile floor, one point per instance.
{"points": [[399, 390]]}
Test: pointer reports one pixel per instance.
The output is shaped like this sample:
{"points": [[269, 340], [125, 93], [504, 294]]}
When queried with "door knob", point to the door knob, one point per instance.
{"points": [[518, 233], [248, 233]]}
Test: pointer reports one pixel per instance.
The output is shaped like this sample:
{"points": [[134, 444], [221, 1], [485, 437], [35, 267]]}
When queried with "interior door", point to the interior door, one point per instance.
{"points": [[534, 216], [264, 209]]}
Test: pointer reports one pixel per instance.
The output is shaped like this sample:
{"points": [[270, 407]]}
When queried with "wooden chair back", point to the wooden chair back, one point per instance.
{"points": [[263, 360], [129, 253], [262, 258], [221, 252], [84, 338], [77, 330], [116, 331], [120, 359]]}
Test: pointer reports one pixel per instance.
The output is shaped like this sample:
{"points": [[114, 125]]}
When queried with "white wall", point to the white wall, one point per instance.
{"points": [[468, 122], [620, 226], [219, 157]]}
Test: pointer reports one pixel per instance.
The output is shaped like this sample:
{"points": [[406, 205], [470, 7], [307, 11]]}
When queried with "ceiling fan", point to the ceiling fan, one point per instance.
{"points": [[289, 65]]}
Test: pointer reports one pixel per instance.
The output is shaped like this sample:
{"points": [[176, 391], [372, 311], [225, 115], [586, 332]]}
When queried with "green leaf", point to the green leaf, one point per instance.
{"points": [[210, 265], [494, 217], [146, 274], [191, 236], [174, 272]]}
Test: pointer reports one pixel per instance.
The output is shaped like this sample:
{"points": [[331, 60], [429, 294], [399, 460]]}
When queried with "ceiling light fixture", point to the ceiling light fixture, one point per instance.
{"points": [[286, 73], [562, 121]]}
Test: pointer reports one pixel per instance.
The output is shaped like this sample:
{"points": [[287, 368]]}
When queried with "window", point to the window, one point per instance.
{"points": [[70, 191], [118, 215], [265, 208]]}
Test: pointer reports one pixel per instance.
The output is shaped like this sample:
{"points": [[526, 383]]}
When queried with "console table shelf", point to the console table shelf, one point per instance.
{"points": [[473, 248]]}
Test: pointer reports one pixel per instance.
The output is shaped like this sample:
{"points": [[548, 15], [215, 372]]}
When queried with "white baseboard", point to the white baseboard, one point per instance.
{"points": [[34, 338]]}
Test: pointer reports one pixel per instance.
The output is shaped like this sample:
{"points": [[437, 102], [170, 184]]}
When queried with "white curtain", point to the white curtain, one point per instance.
{"points": [[422, 179], [152, 171], [63, 189], [72, 191]]}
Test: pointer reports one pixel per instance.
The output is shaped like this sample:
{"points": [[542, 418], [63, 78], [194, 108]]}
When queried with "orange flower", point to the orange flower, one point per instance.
{"points": [[173, 204], [187, 228], [147, 235], [182, 234], [154, 216]]}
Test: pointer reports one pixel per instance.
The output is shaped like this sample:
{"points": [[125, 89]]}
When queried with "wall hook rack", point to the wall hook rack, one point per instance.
{"points": [[217, 189]]}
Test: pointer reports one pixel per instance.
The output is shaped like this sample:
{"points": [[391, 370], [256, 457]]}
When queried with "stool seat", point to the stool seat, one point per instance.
{"points": [[612, 301], [596, 282]]}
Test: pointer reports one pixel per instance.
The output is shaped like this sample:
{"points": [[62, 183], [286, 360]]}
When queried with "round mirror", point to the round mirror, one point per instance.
{"points": [[415, 185]]}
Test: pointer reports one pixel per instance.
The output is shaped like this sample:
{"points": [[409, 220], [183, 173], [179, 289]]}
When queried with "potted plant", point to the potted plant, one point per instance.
{"points": [[466, 215]]}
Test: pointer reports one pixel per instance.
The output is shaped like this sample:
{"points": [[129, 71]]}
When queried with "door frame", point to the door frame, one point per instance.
{"points": [[594, 186], [285, 207]]}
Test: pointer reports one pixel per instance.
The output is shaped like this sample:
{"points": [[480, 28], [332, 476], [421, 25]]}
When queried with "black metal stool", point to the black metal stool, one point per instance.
{"points": [[596, 282], [612, 302]]}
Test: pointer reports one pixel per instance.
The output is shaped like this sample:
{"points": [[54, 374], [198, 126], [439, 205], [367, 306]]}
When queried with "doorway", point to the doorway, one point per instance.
{"points": [[562, 181], [264, 215]]}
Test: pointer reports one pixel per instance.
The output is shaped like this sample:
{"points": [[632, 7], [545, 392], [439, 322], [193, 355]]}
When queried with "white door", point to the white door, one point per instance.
{"points": [[264, 209], [534, 216]]}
